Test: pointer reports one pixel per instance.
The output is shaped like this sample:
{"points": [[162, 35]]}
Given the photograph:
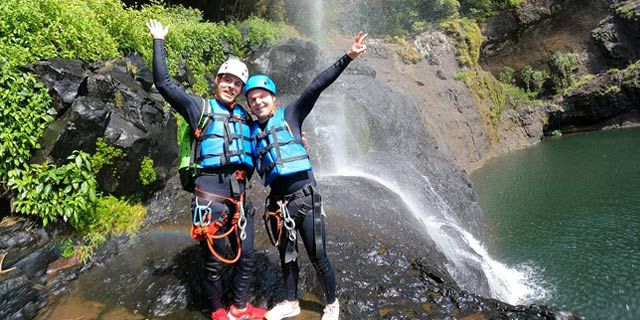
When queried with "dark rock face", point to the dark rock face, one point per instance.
{"points": [[619, 34], [531, 34], [109, 100], [288, 64], [504, 28], [62, 77], [25, 253], [610, 100]]}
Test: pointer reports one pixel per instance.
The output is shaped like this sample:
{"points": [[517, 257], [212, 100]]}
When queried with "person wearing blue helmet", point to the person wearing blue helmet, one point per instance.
{"points": [[223, 164], [293, 206]]}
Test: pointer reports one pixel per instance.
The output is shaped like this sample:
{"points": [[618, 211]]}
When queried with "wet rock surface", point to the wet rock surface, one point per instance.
{"points": [[25, 253], [109, 100], [386, 267]]}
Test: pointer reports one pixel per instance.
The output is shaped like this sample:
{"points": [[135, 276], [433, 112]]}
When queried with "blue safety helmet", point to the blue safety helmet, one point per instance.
{"points": [[260, 81]]}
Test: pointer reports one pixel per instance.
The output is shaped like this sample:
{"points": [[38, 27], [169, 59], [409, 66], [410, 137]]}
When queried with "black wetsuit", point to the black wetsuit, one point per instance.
{"points": [[216, 181], [295, 114]]}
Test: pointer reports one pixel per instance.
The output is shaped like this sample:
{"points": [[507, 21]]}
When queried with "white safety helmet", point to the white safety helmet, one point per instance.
{"points": [[235, 67]]}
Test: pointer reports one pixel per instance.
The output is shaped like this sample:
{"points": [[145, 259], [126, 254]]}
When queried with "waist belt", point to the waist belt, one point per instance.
{"points": [[284, 200]]}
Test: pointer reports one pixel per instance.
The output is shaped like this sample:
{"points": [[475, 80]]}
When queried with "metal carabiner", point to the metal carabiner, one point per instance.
{"points": [[198, 218], [242, 223], [289, 223]]}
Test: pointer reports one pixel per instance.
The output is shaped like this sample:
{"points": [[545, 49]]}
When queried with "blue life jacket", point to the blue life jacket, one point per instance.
{"points": [[276, 152], [224, 139]]}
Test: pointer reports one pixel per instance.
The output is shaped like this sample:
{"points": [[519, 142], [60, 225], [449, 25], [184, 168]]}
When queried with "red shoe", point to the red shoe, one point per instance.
{"points": [[249, 313], [220, 314]]}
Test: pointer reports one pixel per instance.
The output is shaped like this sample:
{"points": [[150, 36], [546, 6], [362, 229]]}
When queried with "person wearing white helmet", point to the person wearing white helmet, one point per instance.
{"points": [[223, 162]]}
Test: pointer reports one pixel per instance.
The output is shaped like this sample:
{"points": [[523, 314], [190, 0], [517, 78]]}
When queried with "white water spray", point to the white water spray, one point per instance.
{"points": [[338, 136]]}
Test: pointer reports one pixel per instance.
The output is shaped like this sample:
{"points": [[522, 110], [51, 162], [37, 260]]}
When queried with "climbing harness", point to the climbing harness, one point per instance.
{"points": [[205, 228], [284, 219]]}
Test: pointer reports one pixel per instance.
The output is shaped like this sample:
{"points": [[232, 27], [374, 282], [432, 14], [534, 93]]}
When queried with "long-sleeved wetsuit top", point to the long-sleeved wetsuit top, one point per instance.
{"points": [[190, 107], [294, 115]]}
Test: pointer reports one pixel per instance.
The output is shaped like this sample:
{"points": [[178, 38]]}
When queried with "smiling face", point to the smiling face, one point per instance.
{"points": [[228, 88], [262, 103]]}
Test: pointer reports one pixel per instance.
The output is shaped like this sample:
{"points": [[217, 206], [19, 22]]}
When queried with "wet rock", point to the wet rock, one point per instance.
{"points": [[112, 102], [19, 297], [62, 77], [77, 129], [25, 252], [288, 64]]}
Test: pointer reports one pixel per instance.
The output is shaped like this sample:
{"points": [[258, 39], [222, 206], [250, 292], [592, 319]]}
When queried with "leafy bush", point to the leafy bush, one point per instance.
{"points": [[67, 192], [104, 155], [262, 32], [147, 175], [565, 67], [533, 79], [112, 216], [24, 115], [506, 75]]}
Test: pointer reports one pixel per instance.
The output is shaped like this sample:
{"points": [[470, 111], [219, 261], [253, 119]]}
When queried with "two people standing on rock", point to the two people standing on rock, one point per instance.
{"points": [[228, 145]]}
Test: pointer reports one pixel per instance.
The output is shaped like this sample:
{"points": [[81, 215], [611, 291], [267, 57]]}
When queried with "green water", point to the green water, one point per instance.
{"points": [[570, 207]]}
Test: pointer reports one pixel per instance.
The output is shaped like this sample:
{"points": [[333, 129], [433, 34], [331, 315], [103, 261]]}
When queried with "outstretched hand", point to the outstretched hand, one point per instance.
{"points": [[157, 30], [358, 47]]}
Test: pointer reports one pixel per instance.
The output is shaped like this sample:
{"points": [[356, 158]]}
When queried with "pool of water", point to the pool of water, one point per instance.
{"points": [[570, 209]]}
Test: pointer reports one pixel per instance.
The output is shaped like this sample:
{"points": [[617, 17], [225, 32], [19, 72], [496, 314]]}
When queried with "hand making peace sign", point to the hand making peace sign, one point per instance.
{"points": [[358, 47]]}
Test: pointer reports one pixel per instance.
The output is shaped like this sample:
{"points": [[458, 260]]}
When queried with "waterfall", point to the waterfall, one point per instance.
{"points": [[355, 134], [517, 285]]}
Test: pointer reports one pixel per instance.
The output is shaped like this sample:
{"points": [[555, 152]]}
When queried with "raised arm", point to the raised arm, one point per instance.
{"points": [[188, 106], [298, 111]]}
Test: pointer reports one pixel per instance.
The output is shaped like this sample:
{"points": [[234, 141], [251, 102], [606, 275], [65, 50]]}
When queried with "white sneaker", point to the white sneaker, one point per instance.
{"points": [[331, 311], [284, 309]]}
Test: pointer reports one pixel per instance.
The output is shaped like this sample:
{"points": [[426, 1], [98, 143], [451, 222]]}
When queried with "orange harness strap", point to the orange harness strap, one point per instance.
{"points": [[209, 232]]}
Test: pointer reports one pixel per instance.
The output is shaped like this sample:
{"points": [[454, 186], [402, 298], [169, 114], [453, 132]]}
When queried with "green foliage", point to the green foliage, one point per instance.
{"points": [[381, 17], [468, 39], [67, 248], [262, 32], [506, 75], [147, 175], [112, 216], [104, 155], [66, 192], [24, 115], [533, 79], [629, 10], [406, 51], [482, 9], [273, 10], [564, 67]]}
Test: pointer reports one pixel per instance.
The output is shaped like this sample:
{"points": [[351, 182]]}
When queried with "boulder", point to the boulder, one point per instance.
{"points": [[288, 64], [113, 102], [62, 77]]}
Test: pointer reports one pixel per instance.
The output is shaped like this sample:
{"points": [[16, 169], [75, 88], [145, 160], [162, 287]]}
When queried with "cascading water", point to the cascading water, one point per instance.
{"points": [[340, 132], [353, 133]]}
